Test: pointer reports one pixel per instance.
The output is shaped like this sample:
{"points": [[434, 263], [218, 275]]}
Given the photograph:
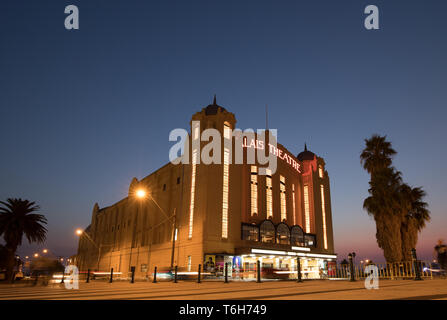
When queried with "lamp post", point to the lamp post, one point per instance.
{"points": [[141, 194], [80, 232], [416, 265], [351, 257]]}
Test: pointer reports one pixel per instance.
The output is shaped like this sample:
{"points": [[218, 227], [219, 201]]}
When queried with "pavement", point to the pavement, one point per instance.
{"points": [[435, 289]]}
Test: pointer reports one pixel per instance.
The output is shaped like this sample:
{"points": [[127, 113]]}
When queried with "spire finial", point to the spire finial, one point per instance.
{"points": [[214, 101], [266, 118], [305, 146]]}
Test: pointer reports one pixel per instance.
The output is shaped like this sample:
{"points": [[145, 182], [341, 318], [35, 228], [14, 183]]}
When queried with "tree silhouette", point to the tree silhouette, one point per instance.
{"points": [[398, 209], [17, 219]]}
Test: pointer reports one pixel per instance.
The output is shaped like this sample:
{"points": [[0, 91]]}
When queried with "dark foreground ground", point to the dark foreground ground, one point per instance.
{"points": [[308, 290]]}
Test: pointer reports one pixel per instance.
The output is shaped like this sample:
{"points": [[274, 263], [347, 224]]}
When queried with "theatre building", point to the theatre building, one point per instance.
{"points": [[212, 214]]}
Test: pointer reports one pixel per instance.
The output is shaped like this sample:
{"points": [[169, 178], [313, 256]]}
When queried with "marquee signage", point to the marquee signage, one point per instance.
{"points": [[260, 144]]}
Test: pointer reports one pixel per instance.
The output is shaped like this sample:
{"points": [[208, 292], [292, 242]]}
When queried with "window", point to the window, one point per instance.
{"points": [[193, 188], [323, 213], [297, 236], [250, 232], [164, 187], [178, 180], [309, 240], [196, 133], [227, 131], [226, 177], [282, 234], [282, 192], [306, 208], [254, 190], [293, 204], [267, 231], [268, 184], [320, 171]]}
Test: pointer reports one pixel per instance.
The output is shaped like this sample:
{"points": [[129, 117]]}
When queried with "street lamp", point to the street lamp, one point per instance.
{"points": [[45, 250], [36, 255], [141, 194], [81, 232]]}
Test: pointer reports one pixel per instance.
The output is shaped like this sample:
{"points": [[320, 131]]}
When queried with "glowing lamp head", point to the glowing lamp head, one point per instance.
{"points": [[36, 255], [45, 250], [140, 194], [78, 232]]}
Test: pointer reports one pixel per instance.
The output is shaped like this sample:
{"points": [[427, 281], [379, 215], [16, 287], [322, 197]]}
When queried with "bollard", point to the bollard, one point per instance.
{"points": [[351, 267], [258, 271], [298, 270], [88, 276], [111, 276], [415, 265], [132, 270], [155, 275], [198, 275], [175, 274], [226, 272]]}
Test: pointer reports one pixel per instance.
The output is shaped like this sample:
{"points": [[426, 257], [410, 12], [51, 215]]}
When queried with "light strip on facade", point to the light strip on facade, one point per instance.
{"points": [[289, 253], [193, 189], [301, 248], [226, 177], [282, 190], [315, 255], [293, 204], [323, 212], [268, 251], [254, 190], [306, 208], [268, 183]]}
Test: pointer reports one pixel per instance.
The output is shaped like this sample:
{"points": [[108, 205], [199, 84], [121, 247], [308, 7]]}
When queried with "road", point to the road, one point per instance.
{"points": [[308, 290]]}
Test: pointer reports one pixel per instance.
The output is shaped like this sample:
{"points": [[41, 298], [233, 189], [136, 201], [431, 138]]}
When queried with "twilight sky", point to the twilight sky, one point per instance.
{"points": [[84, 111]]}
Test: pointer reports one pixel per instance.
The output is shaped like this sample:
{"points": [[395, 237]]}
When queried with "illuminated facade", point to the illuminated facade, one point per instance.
{"points": [[212, 214]]}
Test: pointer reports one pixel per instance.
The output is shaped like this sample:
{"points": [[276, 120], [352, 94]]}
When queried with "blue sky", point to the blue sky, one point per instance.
{"points": [[84, 111]]}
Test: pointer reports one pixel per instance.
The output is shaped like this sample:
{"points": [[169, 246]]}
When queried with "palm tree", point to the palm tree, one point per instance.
{"points": [[377, 154], [398, 210], [17, 220], [383, 205], [415, 216]]}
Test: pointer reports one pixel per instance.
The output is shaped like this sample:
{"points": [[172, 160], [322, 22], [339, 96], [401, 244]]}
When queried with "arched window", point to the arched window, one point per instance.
{"points": [[297, 236], [267, 232], [282, 234]]}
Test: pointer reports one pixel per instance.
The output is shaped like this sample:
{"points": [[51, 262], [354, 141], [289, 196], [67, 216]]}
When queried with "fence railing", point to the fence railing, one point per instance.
{"points": [[398, 270], [393, 271]]}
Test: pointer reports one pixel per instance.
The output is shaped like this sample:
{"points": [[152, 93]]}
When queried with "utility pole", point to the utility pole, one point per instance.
{"points": [[174, 226]]}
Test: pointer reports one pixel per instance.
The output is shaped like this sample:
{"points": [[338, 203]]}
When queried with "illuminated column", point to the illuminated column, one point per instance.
{"points": [[323, 211], [282, 192], [306, 208], [193, 188], [268, 184], [293, 205], [254, 190], [226, 178]]}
